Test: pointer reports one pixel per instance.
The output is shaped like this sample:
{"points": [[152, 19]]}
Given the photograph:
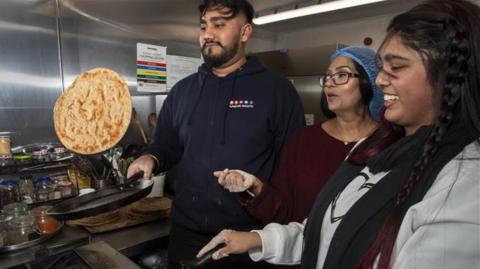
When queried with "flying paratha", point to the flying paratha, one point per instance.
{"points": [[94, 112]]}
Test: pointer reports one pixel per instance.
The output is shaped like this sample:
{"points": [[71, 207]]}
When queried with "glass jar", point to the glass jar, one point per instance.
{"points": [[43, 189], [66, 188], [79, 181], [5, 149], [58, 153], [3, 230], [26, 189], [21, 229], [44, 223], [40, 155], [9, 192], [14, 210]]}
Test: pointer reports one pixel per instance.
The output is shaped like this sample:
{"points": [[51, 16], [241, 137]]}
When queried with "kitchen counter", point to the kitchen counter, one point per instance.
{"points": [[128, 241], [134, 240]]}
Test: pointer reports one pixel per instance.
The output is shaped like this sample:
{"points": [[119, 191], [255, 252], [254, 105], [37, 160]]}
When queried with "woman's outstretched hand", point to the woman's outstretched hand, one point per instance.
{"points": [[236, 243], [238, 181]]}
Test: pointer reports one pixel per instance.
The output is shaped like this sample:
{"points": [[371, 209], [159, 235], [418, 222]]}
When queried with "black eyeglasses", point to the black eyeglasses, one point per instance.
{"points": [[339, 78]]}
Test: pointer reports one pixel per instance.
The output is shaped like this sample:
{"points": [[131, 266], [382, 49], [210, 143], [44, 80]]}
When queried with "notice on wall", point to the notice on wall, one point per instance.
{"points": [[151, 68], [180, 67]]}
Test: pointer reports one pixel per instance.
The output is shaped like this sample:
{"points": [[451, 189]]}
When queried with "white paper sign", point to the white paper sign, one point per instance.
{"points": [[151, 68], [180, 67]]}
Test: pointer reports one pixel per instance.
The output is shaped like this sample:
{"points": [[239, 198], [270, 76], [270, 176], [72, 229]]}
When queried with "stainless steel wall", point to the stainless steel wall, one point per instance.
{"points": [[30, 80], [45, 44], [303, 67]]}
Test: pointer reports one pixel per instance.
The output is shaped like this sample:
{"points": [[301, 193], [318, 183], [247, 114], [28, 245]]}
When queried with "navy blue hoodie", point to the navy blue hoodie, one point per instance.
{"points": [[210, 123]]}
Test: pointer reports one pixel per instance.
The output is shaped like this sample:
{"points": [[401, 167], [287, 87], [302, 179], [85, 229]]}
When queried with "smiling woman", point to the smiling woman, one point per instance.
{"points": [[408, 94]]}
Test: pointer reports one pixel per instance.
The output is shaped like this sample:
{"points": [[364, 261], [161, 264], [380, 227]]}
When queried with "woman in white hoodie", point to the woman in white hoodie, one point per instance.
{"points": [[415, 204]]}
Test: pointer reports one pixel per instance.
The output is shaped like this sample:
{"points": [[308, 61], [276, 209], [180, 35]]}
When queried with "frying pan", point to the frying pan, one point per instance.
{"points": [[103, 200], [205, 259]]}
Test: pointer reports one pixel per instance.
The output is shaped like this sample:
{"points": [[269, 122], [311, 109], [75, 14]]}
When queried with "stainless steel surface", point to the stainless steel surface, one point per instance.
{"points": [[135, 240], [30, 79], [101, 255], [311, 61], [310, 92], [303, 67]]}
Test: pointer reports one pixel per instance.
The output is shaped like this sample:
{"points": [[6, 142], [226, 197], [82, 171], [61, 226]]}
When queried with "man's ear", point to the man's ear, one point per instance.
{"points": [[246, 32]]}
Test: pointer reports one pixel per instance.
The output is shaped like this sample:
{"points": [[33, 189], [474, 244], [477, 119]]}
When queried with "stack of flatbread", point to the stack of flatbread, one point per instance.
{"points": [[144, 210], [94, 112], [97, 220], [149, 206]]}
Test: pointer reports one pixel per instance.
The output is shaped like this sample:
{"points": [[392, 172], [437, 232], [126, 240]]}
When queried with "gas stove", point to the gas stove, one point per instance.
{"points": [[92, 256]]}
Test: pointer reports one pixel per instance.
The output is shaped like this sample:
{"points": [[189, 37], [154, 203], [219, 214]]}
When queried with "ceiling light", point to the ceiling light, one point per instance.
{"points": [[309, 10]]}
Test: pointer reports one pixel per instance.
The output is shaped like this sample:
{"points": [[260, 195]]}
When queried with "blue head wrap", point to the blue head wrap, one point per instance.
{"points": [[367, 59]]}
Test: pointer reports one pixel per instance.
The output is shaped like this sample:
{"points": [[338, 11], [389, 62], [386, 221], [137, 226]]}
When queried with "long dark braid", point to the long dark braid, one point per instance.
{"points": [[455, 76], [447, 61]]}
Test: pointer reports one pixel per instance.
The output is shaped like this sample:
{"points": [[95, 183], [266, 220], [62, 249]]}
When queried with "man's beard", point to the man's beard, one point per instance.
{"points": [[225, 55]]}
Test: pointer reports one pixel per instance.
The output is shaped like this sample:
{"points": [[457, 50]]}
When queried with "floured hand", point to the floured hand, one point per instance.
{"points": [[235, 180]]}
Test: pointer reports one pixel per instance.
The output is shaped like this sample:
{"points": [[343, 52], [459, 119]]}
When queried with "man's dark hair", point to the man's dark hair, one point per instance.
{"points": [[235, 6]]}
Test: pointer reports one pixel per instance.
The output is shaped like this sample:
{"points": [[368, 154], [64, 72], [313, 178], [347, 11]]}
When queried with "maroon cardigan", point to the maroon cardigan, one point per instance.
{"points": [[308, 160]]}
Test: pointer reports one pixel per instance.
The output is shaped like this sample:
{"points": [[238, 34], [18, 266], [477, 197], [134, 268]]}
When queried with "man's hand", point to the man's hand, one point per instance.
{"points": [[144, 163]]}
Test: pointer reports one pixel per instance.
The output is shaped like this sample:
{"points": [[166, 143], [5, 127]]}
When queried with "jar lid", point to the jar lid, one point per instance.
{"points": [[43, 180], [26, 177], [59, 150], [40, 152], [9, 182], [4, 136], [22, 156]]}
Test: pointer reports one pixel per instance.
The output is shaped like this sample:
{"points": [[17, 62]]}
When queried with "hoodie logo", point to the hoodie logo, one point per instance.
{"points": [[241, 104]]}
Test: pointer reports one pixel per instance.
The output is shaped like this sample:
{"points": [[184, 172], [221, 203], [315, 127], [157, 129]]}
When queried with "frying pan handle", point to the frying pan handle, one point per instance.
{"points": [[206, 258], [138, 175]]}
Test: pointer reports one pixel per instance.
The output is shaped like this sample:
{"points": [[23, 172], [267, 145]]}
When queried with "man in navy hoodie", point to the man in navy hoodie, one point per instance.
{"points": [[231, 113]]}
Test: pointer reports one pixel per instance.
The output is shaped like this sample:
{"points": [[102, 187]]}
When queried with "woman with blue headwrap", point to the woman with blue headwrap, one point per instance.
{"points": [[352, 102]]}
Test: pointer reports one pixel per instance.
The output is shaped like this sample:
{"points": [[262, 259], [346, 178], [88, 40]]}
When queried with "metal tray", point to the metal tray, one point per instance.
{"points": [[27, 244], [103, 200]]}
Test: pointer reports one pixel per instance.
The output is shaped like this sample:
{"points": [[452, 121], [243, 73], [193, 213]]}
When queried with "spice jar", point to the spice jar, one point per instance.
{"points": [[21, 229], [58, 153], [26, 189], [5, 150], [3, 230], [9, 191], [79, 180], [14, 210], [43, 189], [44, 223], [40, 155]]}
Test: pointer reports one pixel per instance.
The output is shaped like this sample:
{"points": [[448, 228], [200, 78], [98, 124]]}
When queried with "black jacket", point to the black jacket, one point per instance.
{"points": [[208, 123]]}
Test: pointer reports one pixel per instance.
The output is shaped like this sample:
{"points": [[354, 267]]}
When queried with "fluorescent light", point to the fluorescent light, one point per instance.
{"points": [[309, 10]]}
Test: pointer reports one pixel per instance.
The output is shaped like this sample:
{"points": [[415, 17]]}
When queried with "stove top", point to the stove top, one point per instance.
{"points": [[65, 260]]}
